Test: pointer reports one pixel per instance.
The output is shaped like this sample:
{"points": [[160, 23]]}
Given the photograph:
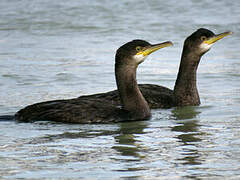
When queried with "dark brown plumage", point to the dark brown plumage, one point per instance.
{"points": [[185, 92], [102, 108], [195, 46], [155, 95], [104, 105]]}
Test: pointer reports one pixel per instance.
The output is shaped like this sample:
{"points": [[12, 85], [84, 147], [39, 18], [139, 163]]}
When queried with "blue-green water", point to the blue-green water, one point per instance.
{"points": [[63, 49]]}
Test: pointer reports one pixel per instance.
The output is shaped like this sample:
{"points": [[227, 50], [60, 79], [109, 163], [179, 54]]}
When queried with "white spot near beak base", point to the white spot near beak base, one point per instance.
{"points": [[205, 46], [139, 58]]}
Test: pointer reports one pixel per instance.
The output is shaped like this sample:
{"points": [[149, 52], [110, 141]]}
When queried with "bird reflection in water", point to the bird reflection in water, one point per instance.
{"points": [[188, 126], [126, 140]]}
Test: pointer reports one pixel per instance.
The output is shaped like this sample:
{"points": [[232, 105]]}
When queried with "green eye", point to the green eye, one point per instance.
{"points": [[203, 38], [138, 48]]}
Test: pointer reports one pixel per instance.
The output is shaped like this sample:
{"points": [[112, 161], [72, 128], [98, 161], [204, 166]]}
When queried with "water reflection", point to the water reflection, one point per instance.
{"points": [[188, 112], [188, 126], [120, 137], [126, 141]]}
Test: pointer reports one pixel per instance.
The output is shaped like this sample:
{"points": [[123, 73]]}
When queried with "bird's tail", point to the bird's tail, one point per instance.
{"points": [[7, 118]]}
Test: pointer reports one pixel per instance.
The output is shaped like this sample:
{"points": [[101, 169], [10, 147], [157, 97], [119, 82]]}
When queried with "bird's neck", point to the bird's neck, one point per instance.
{"points": [[131, 98], [185, 90]]}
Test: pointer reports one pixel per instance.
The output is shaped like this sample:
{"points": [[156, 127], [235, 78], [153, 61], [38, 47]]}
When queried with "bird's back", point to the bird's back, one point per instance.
{"points": [[156, 96], [78, 110], [103, 107]]}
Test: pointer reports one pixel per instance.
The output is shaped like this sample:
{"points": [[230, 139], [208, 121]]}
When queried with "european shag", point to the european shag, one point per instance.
{"points": [[185, 92], [185, 89], [89, 109]]}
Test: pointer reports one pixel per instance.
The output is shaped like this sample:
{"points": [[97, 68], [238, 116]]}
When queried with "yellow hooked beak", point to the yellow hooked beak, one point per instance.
{"points": [[217, 37], [148, 50]]}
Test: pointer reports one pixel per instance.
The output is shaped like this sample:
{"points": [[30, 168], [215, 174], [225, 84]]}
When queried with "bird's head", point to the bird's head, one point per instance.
{"points": [[136, 51], [201, 40]]}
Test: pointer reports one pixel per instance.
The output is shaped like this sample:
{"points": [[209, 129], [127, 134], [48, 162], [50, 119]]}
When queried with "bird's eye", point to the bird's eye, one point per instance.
{"points": [[138, 48], [203, 38]]}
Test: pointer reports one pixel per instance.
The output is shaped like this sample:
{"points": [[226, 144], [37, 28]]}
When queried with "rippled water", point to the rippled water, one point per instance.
{"points": [[64, 49]]}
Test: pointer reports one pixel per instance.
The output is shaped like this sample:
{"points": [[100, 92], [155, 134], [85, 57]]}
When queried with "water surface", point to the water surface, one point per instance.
{"points": [[64, 49]]}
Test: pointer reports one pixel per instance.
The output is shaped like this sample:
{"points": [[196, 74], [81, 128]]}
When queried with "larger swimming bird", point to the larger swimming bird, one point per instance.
{"points": [[88, 109], [185, 91]]}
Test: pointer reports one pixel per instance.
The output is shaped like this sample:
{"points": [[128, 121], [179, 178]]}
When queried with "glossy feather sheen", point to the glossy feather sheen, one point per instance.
{"points": [[97, 108], [104, 105]]}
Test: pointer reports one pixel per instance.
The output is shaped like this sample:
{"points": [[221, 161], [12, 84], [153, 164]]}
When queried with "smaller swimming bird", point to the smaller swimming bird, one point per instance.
{"points": [[88, 109], [185, 92], [195, 46]]}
